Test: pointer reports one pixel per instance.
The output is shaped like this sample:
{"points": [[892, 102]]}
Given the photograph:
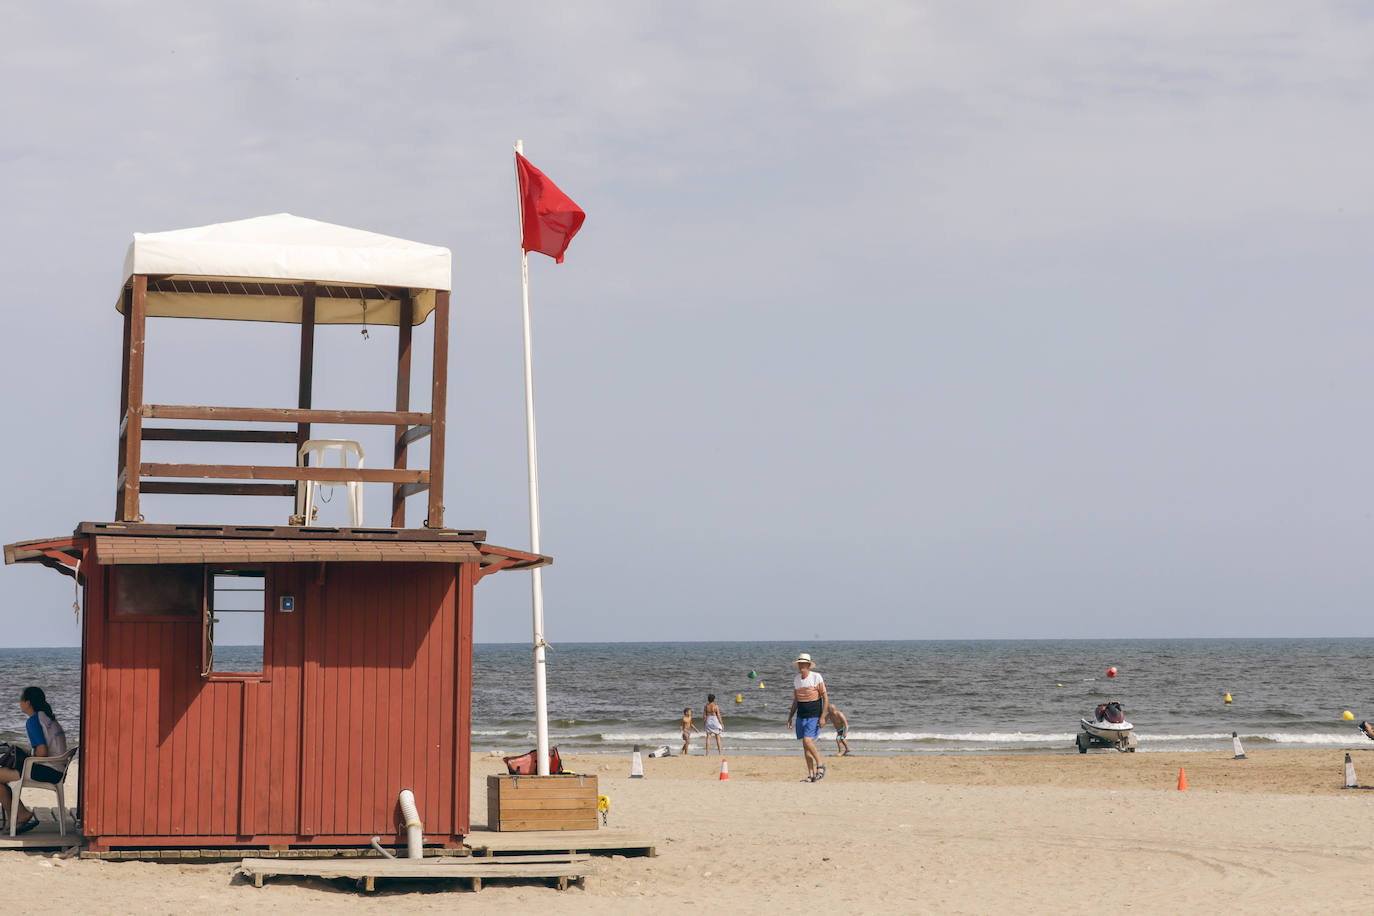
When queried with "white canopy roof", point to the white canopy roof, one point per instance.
{"points": [[253, 270]]}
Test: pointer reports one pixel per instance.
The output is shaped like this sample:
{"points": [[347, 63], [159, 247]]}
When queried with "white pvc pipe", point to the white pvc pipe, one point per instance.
{"points": [[377, 845], [541, 705], [415, 842]]}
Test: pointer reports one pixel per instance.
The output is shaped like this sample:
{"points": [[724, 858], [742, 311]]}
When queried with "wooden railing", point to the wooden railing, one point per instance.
{"points": [[229, 479], [408, 482]]}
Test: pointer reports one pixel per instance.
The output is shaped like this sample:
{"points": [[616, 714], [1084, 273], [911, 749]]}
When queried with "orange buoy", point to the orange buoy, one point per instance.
{"points": [[1111, 672]]}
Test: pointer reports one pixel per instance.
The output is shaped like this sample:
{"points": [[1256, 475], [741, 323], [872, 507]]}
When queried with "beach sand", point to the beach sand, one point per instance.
{"points": [[1023, 833]]}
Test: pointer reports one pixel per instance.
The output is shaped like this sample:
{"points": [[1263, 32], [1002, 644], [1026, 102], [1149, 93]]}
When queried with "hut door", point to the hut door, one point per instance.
{"points": [[250, 695]]}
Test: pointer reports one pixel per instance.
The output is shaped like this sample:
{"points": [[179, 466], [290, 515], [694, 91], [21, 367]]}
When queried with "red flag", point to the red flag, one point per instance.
{"points": [[551, 219]]}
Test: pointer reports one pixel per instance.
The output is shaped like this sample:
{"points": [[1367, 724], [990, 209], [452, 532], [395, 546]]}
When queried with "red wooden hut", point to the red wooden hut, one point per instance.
{"points": [[361, 684]]}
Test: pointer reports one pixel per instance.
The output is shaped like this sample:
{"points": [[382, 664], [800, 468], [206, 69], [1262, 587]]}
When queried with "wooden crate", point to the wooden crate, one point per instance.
{"points": [[563, 802]]}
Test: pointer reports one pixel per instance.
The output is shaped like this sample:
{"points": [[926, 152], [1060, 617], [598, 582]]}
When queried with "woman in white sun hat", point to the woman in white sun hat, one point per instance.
{"points": [[808, 705]]}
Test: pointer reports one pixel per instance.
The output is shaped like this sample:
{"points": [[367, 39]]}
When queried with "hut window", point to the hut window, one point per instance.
{"points": [[235, 622], [164, 592]]}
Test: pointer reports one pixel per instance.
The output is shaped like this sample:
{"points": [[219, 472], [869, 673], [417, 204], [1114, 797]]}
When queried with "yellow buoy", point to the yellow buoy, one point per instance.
{"points": [[760, 685], [1059, 685], [1348, 716], [739, 698], [1228, 699]]}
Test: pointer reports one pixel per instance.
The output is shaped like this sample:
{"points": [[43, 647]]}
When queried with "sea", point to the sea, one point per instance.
{"points": [[901, 697]]}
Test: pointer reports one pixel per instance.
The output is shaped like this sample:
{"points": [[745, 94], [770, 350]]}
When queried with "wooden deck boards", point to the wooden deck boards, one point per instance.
{"points": [[481, 843], [45, 835], [230, 853]]}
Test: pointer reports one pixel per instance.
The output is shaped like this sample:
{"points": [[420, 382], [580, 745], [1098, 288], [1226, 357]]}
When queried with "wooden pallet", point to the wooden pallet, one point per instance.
{"points": [[484, 842], [563, 869]]}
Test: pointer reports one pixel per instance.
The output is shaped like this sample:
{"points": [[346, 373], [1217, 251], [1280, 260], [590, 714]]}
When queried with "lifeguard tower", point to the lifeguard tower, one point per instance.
{"points": [[362, 683]]}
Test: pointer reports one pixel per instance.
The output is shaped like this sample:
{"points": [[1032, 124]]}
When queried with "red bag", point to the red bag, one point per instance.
{"points": [[528, 764]]}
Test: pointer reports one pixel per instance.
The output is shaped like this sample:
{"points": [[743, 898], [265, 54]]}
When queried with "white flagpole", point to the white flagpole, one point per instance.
{"points": [[541, 702]]}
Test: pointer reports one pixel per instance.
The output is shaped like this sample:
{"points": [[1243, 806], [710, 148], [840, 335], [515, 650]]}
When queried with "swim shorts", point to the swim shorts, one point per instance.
{"points": [[839, 732], [808, 728]]}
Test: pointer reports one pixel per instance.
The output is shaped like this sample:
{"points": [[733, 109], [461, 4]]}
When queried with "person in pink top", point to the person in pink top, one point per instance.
{"points": [[809, 701]]}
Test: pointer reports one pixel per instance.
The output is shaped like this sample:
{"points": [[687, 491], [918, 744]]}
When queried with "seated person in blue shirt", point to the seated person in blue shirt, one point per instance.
{"points": [[48, 740]]}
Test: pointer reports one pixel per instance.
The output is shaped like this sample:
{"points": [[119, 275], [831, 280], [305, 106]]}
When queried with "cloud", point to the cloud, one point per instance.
{"points": [[927, 275]]}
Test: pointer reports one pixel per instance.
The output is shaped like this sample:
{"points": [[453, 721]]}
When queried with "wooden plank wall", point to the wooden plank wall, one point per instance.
{"points": [[383, 665], [462, 802], [361, 696]]}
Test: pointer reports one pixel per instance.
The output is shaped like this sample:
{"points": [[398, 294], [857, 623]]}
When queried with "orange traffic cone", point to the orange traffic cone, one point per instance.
{"points": [[724, 769], [1182, 780]]}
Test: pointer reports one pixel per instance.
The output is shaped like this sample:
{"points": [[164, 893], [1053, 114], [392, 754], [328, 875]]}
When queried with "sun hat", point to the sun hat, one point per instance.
{"points": [[803, 657]]}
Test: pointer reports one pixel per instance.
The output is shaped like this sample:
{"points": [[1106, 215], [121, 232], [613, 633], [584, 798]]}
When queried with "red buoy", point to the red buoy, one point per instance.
{"points": [[1111, 672]]}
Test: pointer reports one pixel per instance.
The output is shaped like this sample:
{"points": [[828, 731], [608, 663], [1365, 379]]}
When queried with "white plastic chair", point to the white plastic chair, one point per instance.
{"points": [[305, 489], [27, 781]]}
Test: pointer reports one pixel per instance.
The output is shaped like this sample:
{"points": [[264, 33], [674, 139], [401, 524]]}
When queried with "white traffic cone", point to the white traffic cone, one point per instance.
{"points": [[1240, 751], [1350, 773], [636, 765]]}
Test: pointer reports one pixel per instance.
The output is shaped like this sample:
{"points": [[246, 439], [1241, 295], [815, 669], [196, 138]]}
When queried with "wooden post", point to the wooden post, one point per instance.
{"points": [[438, 406], [124, 358], [398, 503], [307, 368], [128, 297], [132, 398]]}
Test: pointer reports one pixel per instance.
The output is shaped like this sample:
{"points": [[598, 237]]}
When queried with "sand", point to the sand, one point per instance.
{"points": [[1024, 833]]}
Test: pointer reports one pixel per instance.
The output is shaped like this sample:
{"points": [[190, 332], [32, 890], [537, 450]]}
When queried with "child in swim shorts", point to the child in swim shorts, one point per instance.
{"points": [[837, 719], [687, 729]]}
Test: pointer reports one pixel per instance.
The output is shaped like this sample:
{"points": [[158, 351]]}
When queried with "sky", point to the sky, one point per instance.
{"points": [[888, 320]]}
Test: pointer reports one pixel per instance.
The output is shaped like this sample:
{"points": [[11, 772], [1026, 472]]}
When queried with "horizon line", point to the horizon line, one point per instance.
{"points": [[940, 639]]}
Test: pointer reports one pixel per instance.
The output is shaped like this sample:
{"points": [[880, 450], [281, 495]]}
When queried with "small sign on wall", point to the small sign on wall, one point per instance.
{"points": [[286, 604]]}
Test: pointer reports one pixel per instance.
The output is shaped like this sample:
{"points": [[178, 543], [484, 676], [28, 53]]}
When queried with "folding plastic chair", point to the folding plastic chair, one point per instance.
{"points": [[317, 449], [27, 781]]}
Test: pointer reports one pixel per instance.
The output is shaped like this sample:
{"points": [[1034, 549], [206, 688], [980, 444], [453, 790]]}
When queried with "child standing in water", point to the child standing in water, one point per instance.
{"points": [[687, 729], [841, 724], [715, 724]]}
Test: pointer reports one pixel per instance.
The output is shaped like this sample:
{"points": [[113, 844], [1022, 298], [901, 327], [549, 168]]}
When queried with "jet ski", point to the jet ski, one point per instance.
{"points": [[1107, 728]]}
